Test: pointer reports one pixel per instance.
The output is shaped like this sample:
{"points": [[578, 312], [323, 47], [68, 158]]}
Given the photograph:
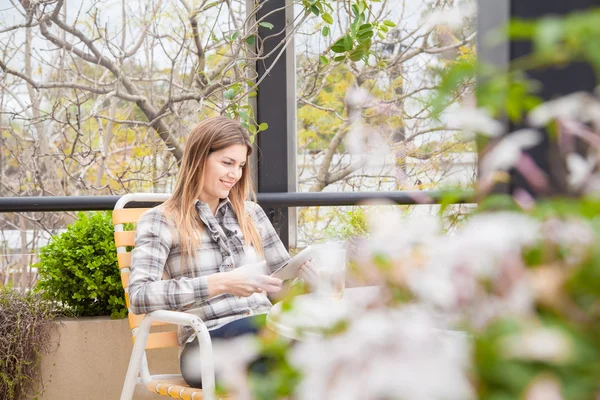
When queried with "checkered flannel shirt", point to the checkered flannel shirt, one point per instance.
{"points": [[157, 282]]}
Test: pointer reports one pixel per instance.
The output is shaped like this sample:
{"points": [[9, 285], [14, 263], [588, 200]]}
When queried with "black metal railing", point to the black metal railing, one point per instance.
{"points": [[296, 199]]}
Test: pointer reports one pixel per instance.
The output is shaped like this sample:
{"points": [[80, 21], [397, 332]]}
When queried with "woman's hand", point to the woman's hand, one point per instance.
{"points": [[308, 272], [243, 281]]}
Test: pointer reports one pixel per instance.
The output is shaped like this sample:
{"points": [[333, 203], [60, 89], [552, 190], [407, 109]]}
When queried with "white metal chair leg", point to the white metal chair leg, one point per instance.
{"points": [[135, 362], [206, 355]]}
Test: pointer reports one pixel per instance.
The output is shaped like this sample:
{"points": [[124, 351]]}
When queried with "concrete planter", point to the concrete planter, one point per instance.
{"points": [[91, 357]]}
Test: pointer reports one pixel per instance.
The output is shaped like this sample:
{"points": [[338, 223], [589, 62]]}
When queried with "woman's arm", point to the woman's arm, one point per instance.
{"points": [[243, 281], [147, 290]]}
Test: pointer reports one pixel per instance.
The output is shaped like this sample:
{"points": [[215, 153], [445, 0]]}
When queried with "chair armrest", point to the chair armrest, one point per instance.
{"points": [[174, 317]]}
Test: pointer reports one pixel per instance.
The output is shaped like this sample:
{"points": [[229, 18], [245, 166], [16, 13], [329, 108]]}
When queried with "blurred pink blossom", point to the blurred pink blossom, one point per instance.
{"points": [[580, 106], [475, 120], [390, 353], [508, 150]]}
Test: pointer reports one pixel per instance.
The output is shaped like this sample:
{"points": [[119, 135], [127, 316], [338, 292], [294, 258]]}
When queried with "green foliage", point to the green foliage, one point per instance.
{"points": [[79, 268], [26, 327], [243, 111], [282, 378], [356, 43], [558, 40], [510, 94], [353, 224]]}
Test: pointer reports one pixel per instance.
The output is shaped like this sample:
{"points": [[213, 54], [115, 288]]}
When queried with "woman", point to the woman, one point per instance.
{"points": [[189, 250]]}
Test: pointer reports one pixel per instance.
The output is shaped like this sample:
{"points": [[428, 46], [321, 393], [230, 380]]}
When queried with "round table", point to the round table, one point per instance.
{"points": [[310, 314]]}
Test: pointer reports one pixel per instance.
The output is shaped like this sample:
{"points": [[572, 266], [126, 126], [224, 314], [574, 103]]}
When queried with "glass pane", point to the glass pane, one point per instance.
{"points": [[367, 120]]}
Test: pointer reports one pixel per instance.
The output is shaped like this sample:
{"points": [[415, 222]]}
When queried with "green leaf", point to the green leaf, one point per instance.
{"points": [[339, 46], [324, 60], [253, 93], [327, 18], [366, 35], [357, 55], [251, 40], [365, 45], [252, 129], [389, 23], [361, 6], [325, 31], [267, 25], [228, 94], [365, 27], [339, 58], [348, 43], [263, 126], [243, 115], [315, 10], [210, 5], [520, 29], [548, 34]]}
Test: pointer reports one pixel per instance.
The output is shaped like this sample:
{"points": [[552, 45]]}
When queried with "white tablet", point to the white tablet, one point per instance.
{"points": [[289, 270]]}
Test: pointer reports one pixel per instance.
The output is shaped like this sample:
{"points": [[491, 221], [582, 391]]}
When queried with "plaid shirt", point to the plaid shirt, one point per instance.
{"points": [[157, 282]]}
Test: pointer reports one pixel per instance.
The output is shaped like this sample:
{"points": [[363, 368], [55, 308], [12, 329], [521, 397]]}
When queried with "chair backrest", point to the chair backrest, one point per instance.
{"points": [[124, 240]]}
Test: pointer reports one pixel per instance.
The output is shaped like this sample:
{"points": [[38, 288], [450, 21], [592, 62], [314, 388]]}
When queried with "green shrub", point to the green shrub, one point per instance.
{"points": [[79, 268], [26, 327]]}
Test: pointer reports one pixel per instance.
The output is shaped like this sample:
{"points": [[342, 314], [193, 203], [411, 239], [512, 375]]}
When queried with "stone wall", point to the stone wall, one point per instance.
{"points": [[90, 360]]}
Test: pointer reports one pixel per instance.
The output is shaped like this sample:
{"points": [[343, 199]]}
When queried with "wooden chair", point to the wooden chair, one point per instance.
{"points": [[168, 385]]}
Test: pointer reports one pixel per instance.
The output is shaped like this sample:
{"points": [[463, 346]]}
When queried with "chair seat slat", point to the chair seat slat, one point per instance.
{"points": [[125, 238], [124, 260], [136, 319]]}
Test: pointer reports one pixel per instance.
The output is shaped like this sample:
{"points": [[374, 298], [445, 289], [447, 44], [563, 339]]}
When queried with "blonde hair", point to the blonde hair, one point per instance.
{"points": [[210, 135]]}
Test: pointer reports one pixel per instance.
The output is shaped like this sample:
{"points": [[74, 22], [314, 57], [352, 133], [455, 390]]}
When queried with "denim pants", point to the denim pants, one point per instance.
{"points": [[190, 362]]}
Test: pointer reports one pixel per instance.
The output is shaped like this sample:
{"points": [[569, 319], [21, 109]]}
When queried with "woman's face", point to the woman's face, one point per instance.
{"points": [[222, 171]]}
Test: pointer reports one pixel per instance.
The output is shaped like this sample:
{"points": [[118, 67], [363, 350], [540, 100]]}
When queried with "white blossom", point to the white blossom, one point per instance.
{"points": [[538, 344], [576, 236], [486, 248], [231, 358], [579, 168], [580, 106], [508, 150], [393, 234], [475, 120], [357, 98], [386, 354], [544, 388], [453, 17], [355, 139]]}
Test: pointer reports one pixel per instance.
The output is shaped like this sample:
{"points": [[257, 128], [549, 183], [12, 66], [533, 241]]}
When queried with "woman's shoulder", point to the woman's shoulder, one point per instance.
{"points": [[155, 222], [250, 205], [256, 212], [156, 217], [154, 214], [253, 208]]}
